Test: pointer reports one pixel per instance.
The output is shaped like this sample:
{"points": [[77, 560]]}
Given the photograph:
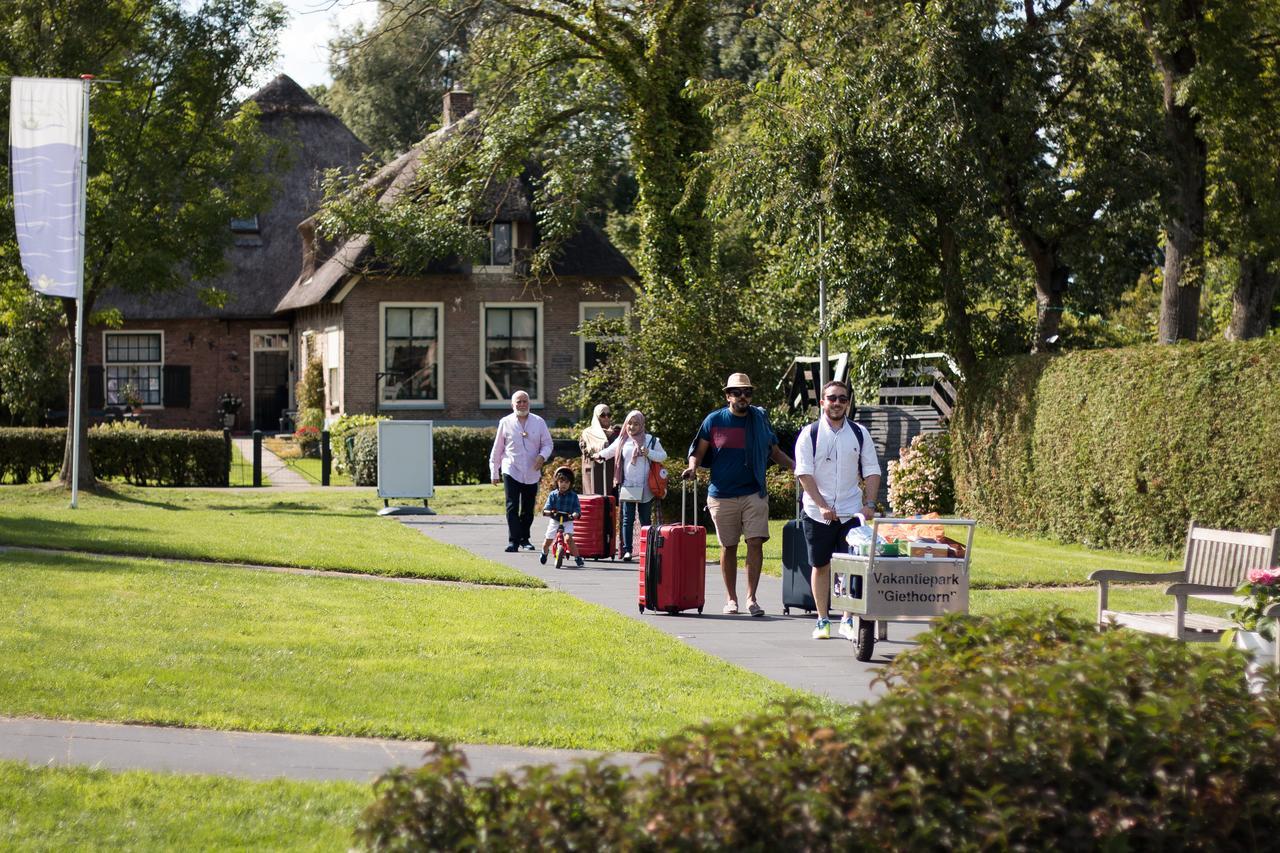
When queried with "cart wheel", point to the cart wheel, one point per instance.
{"points": [[641, 606], [671, 611], [786, 611], [866, 641], [699, 611]]}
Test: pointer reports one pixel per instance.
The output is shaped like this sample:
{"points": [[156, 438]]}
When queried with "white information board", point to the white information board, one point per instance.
{"points": [[405, 459]]}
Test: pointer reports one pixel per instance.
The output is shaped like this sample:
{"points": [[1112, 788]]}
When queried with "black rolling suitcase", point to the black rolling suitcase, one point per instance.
{"points": [[796, 589]]}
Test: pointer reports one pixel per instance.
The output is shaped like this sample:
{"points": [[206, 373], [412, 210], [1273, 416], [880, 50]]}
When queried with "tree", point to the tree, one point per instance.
{"points": [[33, 363], [1172, 28], [388, 80], [171, 159]]}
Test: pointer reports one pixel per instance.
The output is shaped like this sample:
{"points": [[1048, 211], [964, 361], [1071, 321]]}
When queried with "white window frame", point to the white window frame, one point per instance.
{"points": [[439, 401], [253, 368], [534, 402], [109, 364], [494, 269], [583, 308]]}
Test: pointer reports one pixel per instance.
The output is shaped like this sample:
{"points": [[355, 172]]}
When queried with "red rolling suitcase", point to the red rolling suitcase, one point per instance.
{"points": [[593, 532], [673, 563]]}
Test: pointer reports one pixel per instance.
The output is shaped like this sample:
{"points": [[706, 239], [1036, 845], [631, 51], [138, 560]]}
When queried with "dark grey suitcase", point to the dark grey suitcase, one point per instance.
{"points": [[796, 589]]}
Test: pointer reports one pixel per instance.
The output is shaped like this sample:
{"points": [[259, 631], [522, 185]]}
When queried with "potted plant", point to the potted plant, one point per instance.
{"points": [[130, 397], [229, 406], [1257, 633]]}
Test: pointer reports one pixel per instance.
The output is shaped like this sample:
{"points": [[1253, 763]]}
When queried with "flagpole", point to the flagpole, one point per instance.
{"points": [[86, 81]]}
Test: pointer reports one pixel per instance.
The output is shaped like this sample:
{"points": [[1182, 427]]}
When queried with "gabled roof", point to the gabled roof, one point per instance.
{"points": [[259, 275], [589, 253]]}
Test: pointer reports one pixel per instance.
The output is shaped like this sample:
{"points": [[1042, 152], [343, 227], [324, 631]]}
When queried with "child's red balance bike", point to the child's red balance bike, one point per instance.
{"points": [[560, 543]]}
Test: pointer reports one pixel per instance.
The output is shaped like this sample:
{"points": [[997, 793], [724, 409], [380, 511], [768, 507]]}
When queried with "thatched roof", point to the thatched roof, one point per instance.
{"points": [[588, 254], [259, 275]]}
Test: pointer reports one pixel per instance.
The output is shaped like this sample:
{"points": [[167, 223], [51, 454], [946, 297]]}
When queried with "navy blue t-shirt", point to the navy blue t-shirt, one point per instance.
{"points": [[732, 475], [566, 503]]}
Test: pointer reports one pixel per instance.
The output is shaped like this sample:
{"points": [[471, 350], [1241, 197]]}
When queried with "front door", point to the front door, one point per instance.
{"points": [[270, 379]]}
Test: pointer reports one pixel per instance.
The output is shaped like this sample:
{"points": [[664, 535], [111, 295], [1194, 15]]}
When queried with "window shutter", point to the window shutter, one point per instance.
{"points": [[96, 387], [177, 386]]}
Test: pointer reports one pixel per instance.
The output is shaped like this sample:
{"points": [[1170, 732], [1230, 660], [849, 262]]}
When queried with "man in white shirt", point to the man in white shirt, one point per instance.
{"points": [[520, 449], [835, 459]]}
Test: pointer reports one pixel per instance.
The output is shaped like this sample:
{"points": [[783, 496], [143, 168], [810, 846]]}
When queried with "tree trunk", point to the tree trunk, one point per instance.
{"points": [[87, 480], [1052, 276], [955, 304], [1253, 298], [1185, 208]]}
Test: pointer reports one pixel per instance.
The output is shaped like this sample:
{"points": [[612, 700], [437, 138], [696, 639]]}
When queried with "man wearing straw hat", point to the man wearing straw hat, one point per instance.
{"points": [[736, 443]]}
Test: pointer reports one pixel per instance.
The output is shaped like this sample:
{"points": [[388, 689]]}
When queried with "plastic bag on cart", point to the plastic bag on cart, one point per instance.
{"points": [[859, 541]]}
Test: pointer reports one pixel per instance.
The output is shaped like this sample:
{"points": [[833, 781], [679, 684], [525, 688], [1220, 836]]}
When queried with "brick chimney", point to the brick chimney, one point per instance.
{"points": [[456, 105]]}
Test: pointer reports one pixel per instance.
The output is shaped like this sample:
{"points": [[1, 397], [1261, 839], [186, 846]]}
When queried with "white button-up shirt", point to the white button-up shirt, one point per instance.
{"points": [[834, 466], [517, 445]]}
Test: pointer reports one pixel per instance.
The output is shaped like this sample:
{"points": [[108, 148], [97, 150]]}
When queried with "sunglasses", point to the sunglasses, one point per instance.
{"points": [[839, 398], [739, 392], [605, 415]]}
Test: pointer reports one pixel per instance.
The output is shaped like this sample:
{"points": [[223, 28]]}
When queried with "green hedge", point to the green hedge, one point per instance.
{"points": [[144, 457], [1024, 732], [1121, 448]]}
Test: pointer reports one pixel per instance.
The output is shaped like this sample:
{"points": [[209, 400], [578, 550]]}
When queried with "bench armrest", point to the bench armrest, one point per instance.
{"points": [[1198, 589], [1115, 575]]}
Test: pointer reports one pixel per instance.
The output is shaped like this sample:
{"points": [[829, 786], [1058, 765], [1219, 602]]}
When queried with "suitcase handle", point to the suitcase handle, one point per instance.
{"points": [[684, 492]]}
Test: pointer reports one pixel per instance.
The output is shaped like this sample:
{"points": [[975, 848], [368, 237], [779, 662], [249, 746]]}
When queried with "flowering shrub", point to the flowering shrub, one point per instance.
{"points": [[920, 480], [1263, 590], [308, 438]]}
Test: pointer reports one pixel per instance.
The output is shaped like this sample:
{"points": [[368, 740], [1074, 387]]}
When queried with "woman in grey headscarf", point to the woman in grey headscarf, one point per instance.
{"points": [[597, 476]]}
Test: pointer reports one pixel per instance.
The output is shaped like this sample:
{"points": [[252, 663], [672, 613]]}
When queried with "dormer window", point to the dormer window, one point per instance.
{"points": [[498, 252], [244, 232]]}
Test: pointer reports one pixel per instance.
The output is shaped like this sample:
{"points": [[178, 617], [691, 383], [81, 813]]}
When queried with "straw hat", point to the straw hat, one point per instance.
{"points": [[738, 380]]}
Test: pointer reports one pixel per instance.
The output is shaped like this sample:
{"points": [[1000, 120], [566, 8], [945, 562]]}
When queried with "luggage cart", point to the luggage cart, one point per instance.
{"points": [[878, 590]]}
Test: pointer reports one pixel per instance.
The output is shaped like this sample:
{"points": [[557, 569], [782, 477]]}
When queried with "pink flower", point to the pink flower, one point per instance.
{"points": [[1264, 577]]}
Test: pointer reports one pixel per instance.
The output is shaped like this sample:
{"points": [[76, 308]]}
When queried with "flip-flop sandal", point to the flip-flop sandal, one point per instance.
{"points": [[730, 609]]}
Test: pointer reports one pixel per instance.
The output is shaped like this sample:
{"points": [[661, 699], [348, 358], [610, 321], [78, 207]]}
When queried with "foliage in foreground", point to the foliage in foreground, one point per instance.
{"points": [[1022, 731]]}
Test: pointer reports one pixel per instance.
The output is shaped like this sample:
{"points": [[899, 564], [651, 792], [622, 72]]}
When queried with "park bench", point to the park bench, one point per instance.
{"points": [[1214, 565]]}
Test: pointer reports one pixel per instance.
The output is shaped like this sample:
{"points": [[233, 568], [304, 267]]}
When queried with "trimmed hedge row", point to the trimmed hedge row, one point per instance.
{"points": [[1023, 732], [144, 457], [1121, 448]]}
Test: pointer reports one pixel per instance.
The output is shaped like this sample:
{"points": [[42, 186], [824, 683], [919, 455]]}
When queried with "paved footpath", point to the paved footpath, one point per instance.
{"points": [[774, 645], [250, 755]]}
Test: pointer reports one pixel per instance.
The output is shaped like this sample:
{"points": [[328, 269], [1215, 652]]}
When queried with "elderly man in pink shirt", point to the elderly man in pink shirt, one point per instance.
{"points": [[520, 449]]}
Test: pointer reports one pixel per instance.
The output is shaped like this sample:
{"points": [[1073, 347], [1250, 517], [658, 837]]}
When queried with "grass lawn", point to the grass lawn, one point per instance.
{"points": [[1001, 561], [132, 640], [1082, 602], [322, 530], [78, 809], [310, 468]]}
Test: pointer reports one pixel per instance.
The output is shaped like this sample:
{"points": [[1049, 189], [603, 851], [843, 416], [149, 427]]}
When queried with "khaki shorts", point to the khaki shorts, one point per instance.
{"points": [[745, 517]]}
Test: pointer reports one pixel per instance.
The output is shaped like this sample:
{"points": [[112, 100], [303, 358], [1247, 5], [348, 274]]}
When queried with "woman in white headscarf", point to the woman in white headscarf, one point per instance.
{"points": [[634, 450], [597, 477]]}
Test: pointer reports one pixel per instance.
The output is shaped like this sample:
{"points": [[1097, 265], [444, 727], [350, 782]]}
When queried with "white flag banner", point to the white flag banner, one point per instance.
{"points": [[46, 133]]}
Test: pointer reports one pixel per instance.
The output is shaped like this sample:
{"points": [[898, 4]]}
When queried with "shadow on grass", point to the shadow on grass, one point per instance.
{"points": [[81, 563]]}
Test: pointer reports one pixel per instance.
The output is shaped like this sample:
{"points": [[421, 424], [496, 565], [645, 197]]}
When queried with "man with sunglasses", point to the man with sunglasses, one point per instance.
{"points": [[736, 443], [835, 458]]}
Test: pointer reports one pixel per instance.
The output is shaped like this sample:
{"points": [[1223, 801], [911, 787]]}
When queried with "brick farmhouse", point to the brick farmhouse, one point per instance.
{"points": [[450, 343]]}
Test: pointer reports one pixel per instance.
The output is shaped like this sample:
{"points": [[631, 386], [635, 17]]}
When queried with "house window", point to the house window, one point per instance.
{"points": [[498, 246], [133, 360], [590, 351], [245, 232], [511, 352], [410, 353]]}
